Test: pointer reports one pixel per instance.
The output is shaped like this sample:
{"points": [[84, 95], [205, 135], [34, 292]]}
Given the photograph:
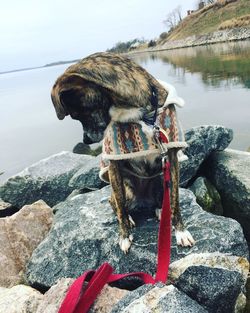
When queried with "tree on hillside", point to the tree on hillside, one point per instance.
{"points": [[120, 47], [173, 18], [201, 3]]}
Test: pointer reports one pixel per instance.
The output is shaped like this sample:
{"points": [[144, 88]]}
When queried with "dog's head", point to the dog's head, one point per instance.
{"points": [[88, 89]]}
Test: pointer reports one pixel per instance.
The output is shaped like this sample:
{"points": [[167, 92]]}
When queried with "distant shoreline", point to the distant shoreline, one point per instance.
{"points": [[36, 67]]}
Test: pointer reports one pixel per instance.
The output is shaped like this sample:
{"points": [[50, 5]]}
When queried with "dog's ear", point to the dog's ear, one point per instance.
{"points": [[65, 83]]}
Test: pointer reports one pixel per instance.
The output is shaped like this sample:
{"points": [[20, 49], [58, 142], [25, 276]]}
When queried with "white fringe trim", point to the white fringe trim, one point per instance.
{"points": [[131, 155], [172, 97], [102, 172]]}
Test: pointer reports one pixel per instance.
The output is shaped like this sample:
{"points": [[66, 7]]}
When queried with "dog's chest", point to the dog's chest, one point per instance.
{"points": [[144, 166]]}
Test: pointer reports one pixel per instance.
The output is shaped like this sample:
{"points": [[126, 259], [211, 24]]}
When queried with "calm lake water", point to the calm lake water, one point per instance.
{"points": [[214, 81]]}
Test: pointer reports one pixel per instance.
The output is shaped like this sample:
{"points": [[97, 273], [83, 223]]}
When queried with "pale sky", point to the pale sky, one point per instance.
{"points": [[34, 33]]}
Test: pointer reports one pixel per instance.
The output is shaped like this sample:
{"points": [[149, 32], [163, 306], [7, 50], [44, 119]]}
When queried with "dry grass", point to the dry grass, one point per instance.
{"points": [[242, 21], [211, 17]]}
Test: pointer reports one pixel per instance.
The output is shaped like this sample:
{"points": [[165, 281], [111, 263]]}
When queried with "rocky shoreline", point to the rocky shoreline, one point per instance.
{"points": [[234, 34], [57, 223]]}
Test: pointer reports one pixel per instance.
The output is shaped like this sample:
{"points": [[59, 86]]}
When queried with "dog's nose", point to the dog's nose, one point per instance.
{"points": [[87, 140]]}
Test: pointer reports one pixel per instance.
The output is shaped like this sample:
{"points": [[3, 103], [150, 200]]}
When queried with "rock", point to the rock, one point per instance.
{"points": [[230, 173], [93, 149], [19, 236], [19, 299], [53, 298], [202, 141], [207, 196], [24, 299], [217, 296], [240, 306], [248, 295], [6, 209], [214, 280], [107, 299], [87, 177], [158, 298], [213, 260], [47, 179], [85, 234]]}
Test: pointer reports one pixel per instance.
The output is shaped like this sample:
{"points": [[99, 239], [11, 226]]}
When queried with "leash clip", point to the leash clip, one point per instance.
{"points": [[161, 137]]}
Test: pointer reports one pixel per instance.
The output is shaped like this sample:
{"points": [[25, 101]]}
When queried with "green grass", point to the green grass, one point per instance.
{"points": [[209, 19]]}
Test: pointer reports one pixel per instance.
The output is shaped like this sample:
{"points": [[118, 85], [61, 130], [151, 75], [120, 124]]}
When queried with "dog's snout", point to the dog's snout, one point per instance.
{"points": [[87, 140]]}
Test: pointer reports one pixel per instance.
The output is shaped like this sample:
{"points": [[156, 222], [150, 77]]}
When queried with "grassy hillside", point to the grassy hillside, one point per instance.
{"points": [[220, 15]]}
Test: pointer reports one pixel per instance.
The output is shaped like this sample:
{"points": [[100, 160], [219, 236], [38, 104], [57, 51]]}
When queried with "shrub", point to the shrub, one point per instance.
{"points": [[152, 43], [163, 35]]}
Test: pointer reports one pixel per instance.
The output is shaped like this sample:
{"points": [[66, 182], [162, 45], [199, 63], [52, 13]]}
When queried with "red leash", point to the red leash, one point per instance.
{"points": [[81, 296]]}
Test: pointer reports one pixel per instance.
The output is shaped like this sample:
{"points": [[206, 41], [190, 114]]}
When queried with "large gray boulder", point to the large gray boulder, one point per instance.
{"points": [[202, 141], [230, 173], [217, 296], [215, 280], [85, 234], [47, 179], [87, 177]]}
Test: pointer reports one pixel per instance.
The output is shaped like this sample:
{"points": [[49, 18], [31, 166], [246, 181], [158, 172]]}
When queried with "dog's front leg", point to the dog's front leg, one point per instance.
{"points": [[118, 203], [183, 236]]}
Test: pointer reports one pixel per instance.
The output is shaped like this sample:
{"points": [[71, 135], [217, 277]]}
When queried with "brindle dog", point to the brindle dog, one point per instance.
{"points": [[105, 87]]}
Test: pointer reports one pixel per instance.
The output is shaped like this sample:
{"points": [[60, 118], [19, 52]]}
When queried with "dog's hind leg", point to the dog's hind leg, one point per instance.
{"points": [[118, 203], [183, 236]]}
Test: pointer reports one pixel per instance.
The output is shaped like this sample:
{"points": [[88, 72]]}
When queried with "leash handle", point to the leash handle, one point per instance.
{"points": [[80, 297]]}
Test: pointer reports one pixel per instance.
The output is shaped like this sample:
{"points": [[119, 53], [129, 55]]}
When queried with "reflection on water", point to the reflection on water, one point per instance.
{"points": [[214, 81], [223, 64]]}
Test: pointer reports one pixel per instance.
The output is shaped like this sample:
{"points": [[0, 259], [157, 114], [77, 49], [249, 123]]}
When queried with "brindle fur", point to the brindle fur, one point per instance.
{"points": [[86, 91]]}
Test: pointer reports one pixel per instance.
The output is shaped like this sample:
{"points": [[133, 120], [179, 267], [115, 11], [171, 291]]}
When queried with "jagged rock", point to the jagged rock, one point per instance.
{"points": [[47, 179], [53, 298], [213, 260], [240, 306], [216, 289], [107, 299], [202, 141], [85, 234], [6, 209], [211, 279], [248, 295], [87, 177], [158, 298], [19, 299], [207, 196], [19, 236], [93, 149], [230, 173]]}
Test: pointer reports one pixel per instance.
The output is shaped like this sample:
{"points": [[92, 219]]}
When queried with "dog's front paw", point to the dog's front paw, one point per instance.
{"points": [[125, 243], [184, 238]]}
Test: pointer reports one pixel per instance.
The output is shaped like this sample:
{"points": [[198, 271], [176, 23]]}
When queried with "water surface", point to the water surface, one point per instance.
{"points": [[214, 81]]}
